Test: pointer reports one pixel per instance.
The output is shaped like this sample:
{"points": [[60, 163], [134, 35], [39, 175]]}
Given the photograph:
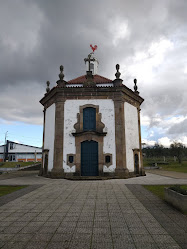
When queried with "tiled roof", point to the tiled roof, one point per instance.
{"points": [[97, 79]]}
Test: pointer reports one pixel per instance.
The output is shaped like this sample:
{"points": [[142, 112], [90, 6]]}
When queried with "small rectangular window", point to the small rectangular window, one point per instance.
{"points": [[70, 159], [107, 159], [11, 146]]}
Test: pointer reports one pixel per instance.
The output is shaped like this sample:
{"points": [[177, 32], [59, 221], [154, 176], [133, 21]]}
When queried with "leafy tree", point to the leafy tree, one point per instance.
{"points": [[158, 150], [177, 149]]}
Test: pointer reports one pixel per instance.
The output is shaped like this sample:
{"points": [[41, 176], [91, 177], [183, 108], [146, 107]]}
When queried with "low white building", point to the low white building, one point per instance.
{"points": [[92, 127], [16, 152]]}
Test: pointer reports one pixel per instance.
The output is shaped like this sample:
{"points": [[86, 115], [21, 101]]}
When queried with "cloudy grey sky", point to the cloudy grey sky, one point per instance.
{"points": [[147, 38]]}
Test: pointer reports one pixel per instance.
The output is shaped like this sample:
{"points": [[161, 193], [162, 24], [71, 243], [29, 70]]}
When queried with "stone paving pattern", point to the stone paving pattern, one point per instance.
{"points": [[90, 214], [169, 218], [14, 195]]}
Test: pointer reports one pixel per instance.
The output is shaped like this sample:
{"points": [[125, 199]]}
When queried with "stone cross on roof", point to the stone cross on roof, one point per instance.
{"points": [[89, 59]]}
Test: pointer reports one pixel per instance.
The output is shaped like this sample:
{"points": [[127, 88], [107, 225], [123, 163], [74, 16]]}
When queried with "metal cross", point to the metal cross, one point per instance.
{"points": [[89, 60]]}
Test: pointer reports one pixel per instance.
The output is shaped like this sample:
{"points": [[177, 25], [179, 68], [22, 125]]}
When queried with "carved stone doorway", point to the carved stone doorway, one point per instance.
{"points": [[91, 136]]}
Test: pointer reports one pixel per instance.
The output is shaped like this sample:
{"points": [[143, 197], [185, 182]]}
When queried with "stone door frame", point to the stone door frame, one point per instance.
{"points": [[45, 164], [81, 136], [137, 152]]}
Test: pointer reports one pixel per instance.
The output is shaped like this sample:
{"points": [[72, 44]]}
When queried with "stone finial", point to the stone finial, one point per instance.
{"points": [[47, 88], [117, 73], [135, 86], [61, 74], [117, 82], [61, 82]]}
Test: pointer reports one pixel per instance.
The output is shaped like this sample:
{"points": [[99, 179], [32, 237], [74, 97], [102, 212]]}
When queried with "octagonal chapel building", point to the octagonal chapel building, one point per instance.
{"points": [[91, 127]]}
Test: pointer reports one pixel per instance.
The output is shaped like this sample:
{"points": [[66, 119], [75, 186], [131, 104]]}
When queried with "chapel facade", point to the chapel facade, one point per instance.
{"points": [[91, 127]]}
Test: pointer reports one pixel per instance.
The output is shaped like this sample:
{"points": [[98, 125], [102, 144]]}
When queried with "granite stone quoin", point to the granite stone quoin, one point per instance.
{"points": [[91, 109]]}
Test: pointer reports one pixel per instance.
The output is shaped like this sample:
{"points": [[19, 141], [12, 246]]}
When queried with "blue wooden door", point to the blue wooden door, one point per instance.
{"points": [[89, 119], [89, 158]]}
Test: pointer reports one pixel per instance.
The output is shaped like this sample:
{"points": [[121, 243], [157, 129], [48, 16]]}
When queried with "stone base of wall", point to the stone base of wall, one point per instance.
{"points": [[41, 172], [60, 174], [142, 172], [56, 173], [122, 173]]}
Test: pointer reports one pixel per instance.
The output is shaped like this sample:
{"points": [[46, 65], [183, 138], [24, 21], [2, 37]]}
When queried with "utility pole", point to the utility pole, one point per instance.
{"points": [[5, 145]]}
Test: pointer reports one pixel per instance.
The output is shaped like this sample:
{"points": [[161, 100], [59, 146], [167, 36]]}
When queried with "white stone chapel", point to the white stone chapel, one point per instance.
{"points": [[91, 127]]}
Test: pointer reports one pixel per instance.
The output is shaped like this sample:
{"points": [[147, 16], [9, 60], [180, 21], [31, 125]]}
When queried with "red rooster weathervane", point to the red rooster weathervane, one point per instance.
{"points": [[93, 48]]}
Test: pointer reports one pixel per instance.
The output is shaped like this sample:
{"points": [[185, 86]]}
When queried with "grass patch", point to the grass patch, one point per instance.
{"points": [[170, 166], [177, 167], [4, 190], [13, 164], [159, 189]]}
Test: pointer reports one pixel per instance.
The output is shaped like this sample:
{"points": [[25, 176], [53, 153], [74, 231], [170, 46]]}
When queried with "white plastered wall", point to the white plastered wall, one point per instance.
{"points": [[50, 134], [131, 134], [106, 108], [2, 149], [19, 148]]}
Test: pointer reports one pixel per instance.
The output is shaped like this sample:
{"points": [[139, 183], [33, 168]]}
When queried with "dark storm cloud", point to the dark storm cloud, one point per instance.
{"points": [[179, 128], [36, 36], [65, 30], [22, 104]]}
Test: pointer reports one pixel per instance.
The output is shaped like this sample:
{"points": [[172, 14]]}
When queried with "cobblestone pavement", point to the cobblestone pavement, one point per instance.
{"points": [[115, 214]]}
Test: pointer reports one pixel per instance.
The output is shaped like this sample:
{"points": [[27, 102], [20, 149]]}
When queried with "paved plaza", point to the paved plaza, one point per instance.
{"points": [[115, 214]]}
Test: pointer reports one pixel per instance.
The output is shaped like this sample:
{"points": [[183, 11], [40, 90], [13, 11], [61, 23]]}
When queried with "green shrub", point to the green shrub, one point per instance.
{"points": [[178, 189]]}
